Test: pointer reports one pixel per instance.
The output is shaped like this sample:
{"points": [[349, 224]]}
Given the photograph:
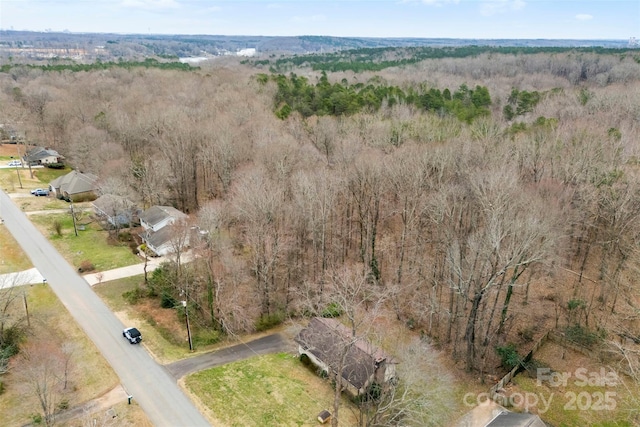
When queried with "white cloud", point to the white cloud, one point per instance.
{"points": [[584, 17], [150, 4], [492, 7]]}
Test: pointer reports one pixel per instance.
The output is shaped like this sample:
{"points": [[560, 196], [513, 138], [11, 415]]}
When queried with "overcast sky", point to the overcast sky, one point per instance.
{"points": [[515, 19]]}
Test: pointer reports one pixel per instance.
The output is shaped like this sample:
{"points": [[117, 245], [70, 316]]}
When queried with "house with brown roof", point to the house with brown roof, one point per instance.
{"points": [[332, 347], [75, 186]]}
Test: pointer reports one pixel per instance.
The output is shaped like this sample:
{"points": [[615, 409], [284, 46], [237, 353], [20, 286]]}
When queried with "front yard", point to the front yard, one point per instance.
{"points": [[91, 246], [270, 390]]}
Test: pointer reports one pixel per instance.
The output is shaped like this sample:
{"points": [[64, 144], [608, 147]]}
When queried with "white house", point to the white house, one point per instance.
{"points": [[164, 229]]}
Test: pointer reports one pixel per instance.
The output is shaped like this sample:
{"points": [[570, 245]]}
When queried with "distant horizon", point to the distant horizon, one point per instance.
{"points": [[305, 35], [424, 19]]}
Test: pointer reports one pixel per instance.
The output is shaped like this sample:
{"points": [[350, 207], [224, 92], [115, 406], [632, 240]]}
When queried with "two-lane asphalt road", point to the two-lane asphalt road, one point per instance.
{"points": [[149, 383]]}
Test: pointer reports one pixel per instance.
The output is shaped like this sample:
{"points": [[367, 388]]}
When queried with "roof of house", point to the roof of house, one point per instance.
{"points": [[156, 239], [157, 214], [489, 414], [514, 419], [75, 182], [39, 153], [328, 339], [113, 204]]}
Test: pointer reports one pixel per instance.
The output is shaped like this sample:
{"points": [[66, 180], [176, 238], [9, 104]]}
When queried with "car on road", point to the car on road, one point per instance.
{"points": [[40, 192], [14, 163], [133, 335]]}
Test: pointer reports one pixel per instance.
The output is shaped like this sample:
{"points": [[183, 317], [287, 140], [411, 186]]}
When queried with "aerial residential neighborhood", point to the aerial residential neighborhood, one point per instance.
{"points": [[319, 230]]}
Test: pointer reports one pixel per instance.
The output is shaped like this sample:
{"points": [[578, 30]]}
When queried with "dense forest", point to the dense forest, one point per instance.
{"points": [[480, 201]]}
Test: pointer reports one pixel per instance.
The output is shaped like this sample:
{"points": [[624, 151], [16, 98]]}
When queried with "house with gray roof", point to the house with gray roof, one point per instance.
{"points": [[164, 228], [489, 414], [75, 186], [157, 217], [332, 347], [42, 156], [116, 211]]}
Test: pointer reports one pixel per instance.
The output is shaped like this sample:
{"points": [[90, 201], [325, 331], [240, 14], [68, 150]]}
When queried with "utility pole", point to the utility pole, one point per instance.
{"points": [[186, 313], [26, 308], [18, 172], [73, 216]]}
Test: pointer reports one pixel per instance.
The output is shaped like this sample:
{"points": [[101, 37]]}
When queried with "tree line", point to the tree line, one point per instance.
{"points": [[376, 59]]}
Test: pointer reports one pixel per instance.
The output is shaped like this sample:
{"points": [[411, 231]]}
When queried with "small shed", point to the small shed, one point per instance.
{"points": [[324, 416]]}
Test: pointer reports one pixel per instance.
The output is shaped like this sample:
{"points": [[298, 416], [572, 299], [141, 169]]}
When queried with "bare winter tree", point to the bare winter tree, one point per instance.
{"points": [[259, 203], [42, 368], [507, 238], [422, 395]]}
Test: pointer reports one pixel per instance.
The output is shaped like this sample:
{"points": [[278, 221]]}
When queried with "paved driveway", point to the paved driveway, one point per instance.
{"points": [[265, 345]]}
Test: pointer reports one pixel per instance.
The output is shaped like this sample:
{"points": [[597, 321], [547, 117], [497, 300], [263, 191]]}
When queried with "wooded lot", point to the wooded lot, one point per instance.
{"points": [[481, 201]]}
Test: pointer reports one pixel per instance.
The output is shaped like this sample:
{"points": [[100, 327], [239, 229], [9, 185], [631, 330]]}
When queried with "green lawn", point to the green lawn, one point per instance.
{"points": [[13, 258], [46, 175], [41, 177], [269, 390], [90, 245], [577, 405]]}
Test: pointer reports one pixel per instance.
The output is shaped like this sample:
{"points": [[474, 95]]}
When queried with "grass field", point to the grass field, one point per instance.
{"points": [[13, 258], [91, 244], [270, 390]]}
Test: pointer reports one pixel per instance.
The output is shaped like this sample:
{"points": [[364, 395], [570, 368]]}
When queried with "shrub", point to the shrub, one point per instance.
{"points": [[206, 337], [85, 266], [332, 310], [372, 394], [305, 360], [55, 165], [133, 296], [268, 321], [509, 356], [167, 300], [57, 227], [63, 405], [584, 336]]}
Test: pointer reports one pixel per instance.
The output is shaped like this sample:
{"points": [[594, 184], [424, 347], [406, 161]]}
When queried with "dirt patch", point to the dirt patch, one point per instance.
{"points": [[11, 150]]}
